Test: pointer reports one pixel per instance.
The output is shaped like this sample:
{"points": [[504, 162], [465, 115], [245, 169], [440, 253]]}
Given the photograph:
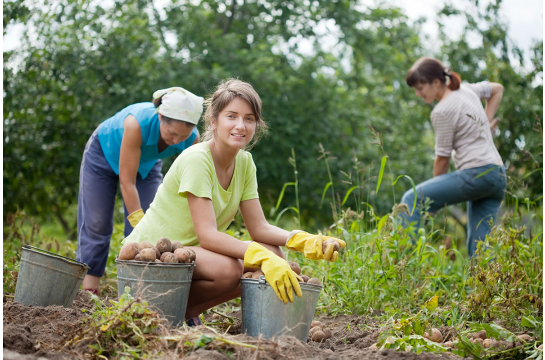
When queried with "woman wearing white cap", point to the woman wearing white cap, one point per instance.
{"points": [[127, 149]]}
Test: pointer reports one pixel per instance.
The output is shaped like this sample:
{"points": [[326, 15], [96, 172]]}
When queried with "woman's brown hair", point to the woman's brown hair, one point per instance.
{"points": [[426, 69], [225, 92]]}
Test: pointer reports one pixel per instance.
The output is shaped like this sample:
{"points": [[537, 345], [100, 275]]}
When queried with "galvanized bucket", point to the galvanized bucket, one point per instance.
{"points": [[264, 313], [164, 286], [47, 279]]}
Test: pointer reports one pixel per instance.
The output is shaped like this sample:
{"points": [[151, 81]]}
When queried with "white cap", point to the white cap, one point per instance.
{"points": [[180, 104]]}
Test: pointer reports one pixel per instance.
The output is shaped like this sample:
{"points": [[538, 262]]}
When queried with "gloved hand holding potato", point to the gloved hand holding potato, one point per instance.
{"points": [[315, 247]]}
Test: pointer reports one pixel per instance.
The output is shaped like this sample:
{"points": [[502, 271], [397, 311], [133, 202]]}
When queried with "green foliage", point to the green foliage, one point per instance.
{"points": [[87, 61], [507, 277]]}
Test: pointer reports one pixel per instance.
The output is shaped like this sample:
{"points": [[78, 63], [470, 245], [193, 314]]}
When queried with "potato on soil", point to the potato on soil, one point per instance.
{"points": [[257, 274], [316, 323], [128, 251], [247, 275], [318, 336], [448, 344], [164, 245], [192, 255], [327, 333], [144, 245], [148, 255], [436, 335], [137, 257], [295, 267], [157, 252], [525, 337], [183, 255], [480, 334], [170, 258], [314, 329], [305, 278], [488, 343], [176, 245], [215, 317], [314, 281]]}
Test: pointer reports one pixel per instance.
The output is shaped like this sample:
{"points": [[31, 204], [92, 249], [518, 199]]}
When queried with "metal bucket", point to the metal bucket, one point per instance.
{"points": [[164, 286], [264, 313], [47, 279]]}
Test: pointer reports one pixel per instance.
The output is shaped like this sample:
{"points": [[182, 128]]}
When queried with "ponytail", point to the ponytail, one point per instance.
{"points": [[455, 80]]}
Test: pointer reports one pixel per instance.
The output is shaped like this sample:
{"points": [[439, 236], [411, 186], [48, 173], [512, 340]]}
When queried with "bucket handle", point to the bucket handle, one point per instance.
{"points": [[30, 247]]}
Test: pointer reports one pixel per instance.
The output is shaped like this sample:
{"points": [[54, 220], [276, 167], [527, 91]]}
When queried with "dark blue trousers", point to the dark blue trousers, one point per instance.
{"points": [[97, 190]]}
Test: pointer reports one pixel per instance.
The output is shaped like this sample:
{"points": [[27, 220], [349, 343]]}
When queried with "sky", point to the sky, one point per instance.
{"points": [[524, 17]]}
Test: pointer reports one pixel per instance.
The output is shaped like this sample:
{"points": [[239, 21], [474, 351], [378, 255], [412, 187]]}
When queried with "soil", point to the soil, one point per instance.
{"points": [[32, 333]]}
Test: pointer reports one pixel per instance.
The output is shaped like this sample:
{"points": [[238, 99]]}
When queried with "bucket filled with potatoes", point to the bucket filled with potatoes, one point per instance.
{"points": [[263, 313], [160, 274]]}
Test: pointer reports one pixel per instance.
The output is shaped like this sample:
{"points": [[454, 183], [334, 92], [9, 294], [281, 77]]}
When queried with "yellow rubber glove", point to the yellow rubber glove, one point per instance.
{"points": [[312, 246], [135, 217], [278, 273]]}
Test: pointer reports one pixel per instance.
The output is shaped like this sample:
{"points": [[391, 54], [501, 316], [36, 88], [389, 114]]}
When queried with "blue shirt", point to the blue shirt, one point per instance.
{"points": [[110, 134]]}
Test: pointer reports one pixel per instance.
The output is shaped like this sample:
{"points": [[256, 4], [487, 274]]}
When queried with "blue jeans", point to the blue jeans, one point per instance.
{"points": [[483, 194], [96, 200]]}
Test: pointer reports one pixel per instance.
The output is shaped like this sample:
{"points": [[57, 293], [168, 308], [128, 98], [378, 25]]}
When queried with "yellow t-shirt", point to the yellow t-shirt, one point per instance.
{"points": [[193, 171]]}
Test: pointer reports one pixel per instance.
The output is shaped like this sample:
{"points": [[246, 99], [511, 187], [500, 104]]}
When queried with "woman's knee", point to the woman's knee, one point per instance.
{"points": [[408, 197]]}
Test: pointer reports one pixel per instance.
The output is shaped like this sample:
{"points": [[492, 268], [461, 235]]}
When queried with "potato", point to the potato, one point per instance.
{"points": [[183, 255], [318, 336], [144, 245], [448, 344], [525, 337], [479, 340], [336, 245], [314, 281], [480, 334], [163, 255], [327, 333], [314, 329], [436, 335], [316, 323], [192, 255], [247, 275], [305, 278], [487, 343], [157, 252], [295, 267], [158, 261], [171, 258], [128, 251], [137, 257], [257, 274], [148, 255], [176, 245], [164, 245]]}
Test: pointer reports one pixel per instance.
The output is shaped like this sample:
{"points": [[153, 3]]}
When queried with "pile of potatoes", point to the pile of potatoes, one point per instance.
{"points": [[164, 251], [293, 265], [318, 332]]}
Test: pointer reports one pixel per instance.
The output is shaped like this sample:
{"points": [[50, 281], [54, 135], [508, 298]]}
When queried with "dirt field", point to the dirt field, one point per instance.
{"points": [[41, 333]]}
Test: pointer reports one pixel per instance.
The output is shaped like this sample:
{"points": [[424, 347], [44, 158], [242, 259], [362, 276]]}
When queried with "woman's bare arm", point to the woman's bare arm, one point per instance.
{"points": [[129, 159], [258, 227], [440, 166], [204, 221], [493, 102]]}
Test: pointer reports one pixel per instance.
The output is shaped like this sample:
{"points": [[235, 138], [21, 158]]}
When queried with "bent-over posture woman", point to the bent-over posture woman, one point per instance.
{"points": [[127, 149], [200, 196], [462, 130]]}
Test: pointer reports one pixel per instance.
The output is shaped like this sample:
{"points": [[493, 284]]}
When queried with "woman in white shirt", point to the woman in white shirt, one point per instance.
{"points": [[462, 130]]}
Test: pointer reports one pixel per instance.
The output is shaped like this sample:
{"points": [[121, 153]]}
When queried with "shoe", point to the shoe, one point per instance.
{"points": [[194, 321]]}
